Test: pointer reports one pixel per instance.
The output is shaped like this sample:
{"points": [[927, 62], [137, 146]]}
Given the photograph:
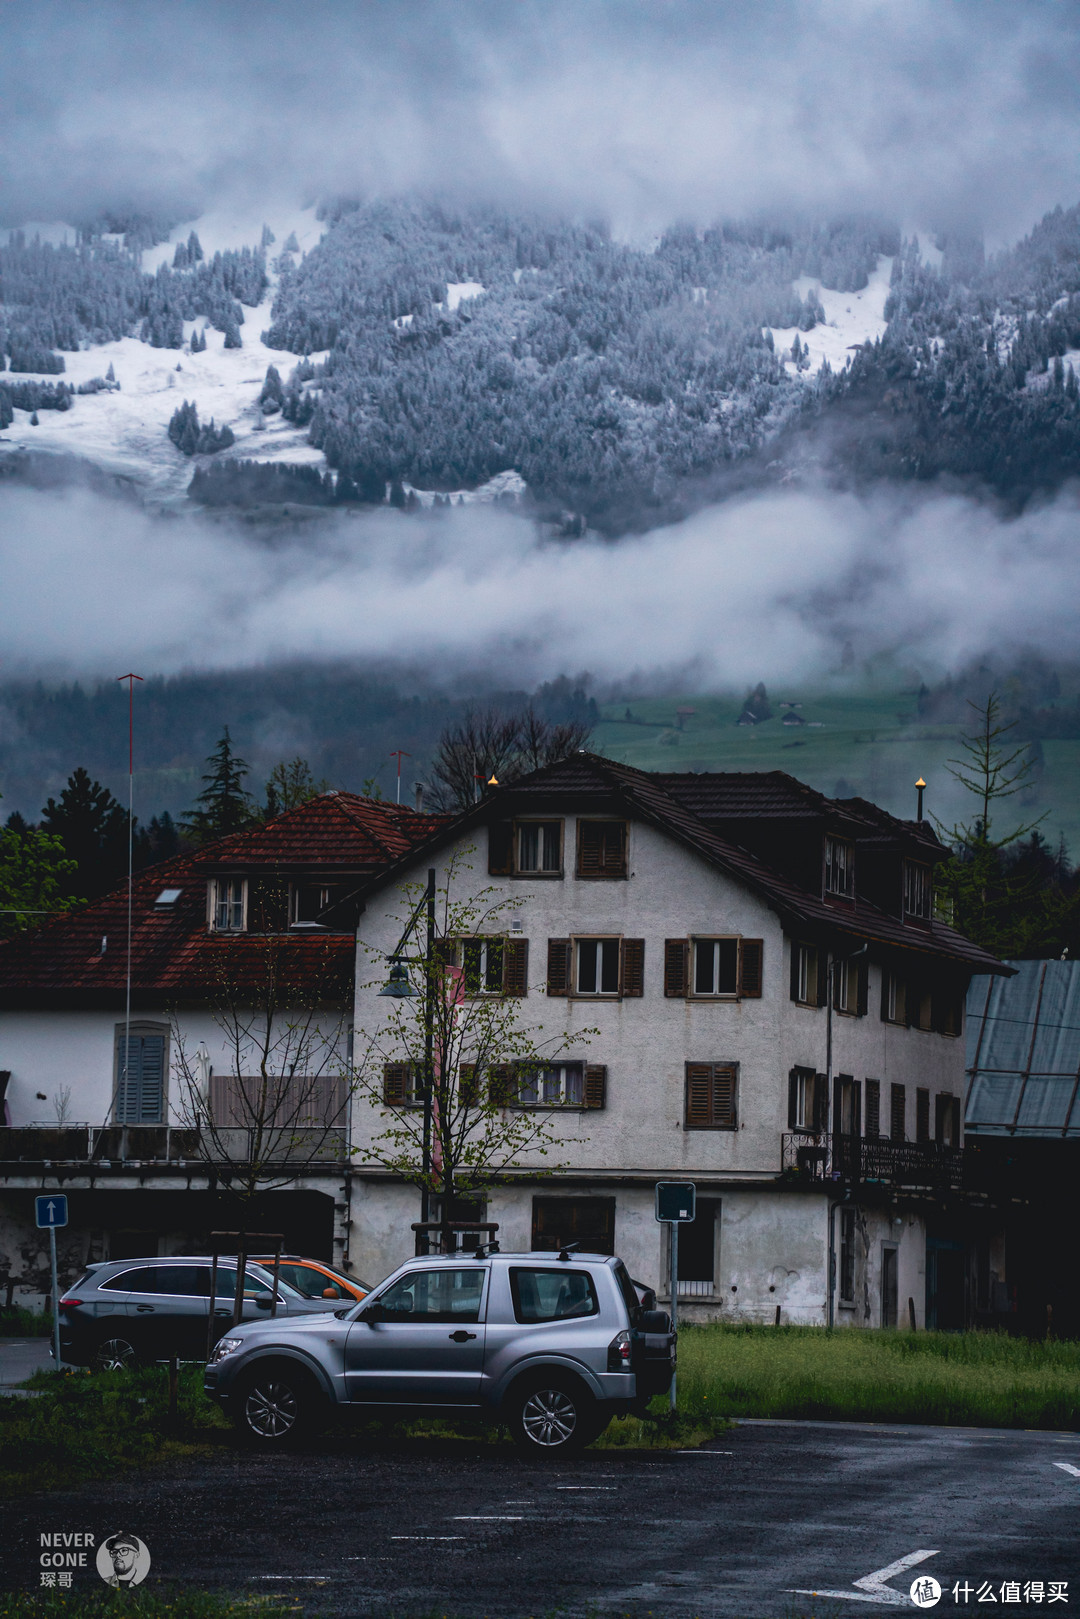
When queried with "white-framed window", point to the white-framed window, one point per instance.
{"points": [[539, 848], [560, 1084], [228, 904], [482, 963], [918, 890], [715, 966], [806, 1100], [596, 966], [849, 978], [309, 900], [807, 968], [840, 867]]}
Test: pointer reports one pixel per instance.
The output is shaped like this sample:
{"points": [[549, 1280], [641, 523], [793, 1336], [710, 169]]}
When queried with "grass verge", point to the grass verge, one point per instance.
{"points": [[137, 1604], [80, 1427], [971, 1379], [18, 1322]]}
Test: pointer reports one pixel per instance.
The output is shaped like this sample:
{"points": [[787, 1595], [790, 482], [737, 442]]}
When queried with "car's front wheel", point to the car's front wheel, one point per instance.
{"points": [[553, 1415], [276, 1406]]}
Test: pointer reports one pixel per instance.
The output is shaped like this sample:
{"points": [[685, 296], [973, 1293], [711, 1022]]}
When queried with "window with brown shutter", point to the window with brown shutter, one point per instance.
{"points": [[558, 967], [501, 1083], [873, 1108], [710, 1095], [633, 967], [601, 848], [751, 964], [897, 1113], [515, 966], [922, 1114], [501, 848], [675, 957], [808, 974], [558, 1084], [469, 1089], [399, 1085], [595, 1085]]}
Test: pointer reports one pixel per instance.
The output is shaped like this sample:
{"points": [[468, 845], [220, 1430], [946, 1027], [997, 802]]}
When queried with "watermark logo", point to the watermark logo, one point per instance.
{"points": [[925, 1591], [123, 1560]]}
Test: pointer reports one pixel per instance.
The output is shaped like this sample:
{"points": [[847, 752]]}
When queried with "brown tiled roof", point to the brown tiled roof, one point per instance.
{"points": [[81, 958], [653, 798]]}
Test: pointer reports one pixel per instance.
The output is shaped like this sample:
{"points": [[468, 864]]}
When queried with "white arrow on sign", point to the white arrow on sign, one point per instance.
{"points": [[50, 1205], [872, 1587]]}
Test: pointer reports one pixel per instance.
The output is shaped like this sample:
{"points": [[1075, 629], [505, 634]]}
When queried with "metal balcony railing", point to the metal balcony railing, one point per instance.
{"points": [[161, 1144], [857, 1160]]}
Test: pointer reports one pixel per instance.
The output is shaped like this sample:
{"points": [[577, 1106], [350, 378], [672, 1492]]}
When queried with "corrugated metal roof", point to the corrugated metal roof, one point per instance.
{"points": [[1023, 1052]]}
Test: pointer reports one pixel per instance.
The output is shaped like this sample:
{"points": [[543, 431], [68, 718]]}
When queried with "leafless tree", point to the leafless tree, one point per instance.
{"points": [[492, 742]]}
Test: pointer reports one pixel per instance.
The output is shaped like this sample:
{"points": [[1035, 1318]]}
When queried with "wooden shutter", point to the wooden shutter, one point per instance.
{"points": [[922, 1114], [395, 1084], [956, 1121], [793, 988], [515, 966], [873, 1108], [601, 849], [500, 1083], [897, 1113], [751, 955], [698, 1095], [821, 956], [723, 1097], [793, 1098], [443, 952], [821, 1103], [501, 848], [633, 967], [595, 1089], [558, 967], [676, 954], [468, 1086], [862, 988]]}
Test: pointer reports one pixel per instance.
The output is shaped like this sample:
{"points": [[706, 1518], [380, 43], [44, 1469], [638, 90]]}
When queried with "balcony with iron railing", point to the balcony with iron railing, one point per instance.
{"points": [[871, 1161], [164, 1146]]}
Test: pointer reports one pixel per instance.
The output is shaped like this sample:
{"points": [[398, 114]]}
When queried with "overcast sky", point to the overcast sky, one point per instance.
{"points": [[934, 110]]}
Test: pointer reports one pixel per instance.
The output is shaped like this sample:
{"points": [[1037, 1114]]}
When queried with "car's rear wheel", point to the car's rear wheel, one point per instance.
{"points": [[553, 1415], [115, 1354], [276, 1406]]}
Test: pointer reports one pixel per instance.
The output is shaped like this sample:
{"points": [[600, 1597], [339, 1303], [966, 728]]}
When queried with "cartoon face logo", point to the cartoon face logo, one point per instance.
{"points": [[123, 1560]]}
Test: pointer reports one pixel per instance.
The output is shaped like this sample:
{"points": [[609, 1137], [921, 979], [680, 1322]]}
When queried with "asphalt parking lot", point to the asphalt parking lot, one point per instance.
{"points": [[753, 1524]]}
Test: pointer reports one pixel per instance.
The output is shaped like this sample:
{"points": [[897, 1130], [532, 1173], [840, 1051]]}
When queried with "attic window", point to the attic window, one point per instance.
{"points": [[168, 896]]}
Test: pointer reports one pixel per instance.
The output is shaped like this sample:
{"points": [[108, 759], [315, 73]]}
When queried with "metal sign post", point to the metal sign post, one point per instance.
{"points": [[676, 1204], [51, 1211]]}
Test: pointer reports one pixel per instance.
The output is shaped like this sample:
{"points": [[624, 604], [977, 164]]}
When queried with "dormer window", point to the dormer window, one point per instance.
{"points": [[918, 891], [840, 868], [228, 904]]}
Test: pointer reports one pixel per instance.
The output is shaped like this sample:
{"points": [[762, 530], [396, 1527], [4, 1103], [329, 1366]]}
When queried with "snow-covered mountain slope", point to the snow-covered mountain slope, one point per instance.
{"points": [[851, 319]]}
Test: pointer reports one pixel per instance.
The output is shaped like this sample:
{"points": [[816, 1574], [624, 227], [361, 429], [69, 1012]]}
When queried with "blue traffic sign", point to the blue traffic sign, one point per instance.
{"points": [[51, 1210]]}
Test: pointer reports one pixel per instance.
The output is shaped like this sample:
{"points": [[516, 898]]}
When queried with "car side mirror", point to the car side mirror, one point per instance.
{"points": [[330, 1293], [374, 1312], [262, 1302], [648, 1299]]}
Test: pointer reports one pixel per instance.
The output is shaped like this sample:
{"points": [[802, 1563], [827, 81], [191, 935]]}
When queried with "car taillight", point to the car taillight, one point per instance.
{"points": [[619, 1352], [69, 1304]]}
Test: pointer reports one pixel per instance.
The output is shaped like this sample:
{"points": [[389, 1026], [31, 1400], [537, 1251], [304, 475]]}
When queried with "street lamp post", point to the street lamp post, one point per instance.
{"points": [[398, 985]]}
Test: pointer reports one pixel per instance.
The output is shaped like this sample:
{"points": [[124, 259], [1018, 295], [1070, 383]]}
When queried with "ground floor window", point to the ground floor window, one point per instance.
{"points": [[587, 1221], [847, 1256], [698, 1251], [890, 1292]]}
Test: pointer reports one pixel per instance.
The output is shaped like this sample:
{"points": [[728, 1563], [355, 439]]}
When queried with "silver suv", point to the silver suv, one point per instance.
{"points": [[551, 1345]]}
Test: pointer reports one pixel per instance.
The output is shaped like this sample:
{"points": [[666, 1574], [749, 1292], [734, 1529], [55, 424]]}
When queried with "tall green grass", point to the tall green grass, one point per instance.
{"points": [[978, 1379]]}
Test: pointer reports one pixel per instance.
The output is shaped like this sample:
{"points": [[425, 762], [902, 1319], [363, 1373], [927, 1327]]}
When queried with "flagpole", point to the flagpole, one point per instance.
{"points": [[131, 679]]}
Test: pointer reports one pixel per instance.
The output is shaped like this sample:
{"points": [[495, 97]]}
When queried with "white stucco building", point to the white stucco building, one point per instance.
{"points": [[778, 1018]]}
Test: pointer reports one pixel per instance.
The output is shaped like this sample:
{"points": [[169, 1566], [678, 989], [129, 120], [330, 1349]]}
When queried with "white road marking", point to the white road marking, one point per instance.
{"points": [[415, 1537], [704, 1453], [871, 1587], [488, 1517], [609, 1489], [1067, 1467]]}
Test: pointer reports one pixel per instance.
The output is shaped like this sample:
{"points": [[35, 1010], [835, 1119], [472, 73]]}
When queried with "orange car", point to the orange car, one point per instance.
{"points": [[314, 1279]]}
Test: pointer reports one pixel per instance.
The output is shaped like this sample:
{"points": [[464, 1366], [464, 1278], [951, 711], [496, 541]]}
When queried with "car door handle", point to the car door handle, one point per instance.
{"points": [[145, 1309], [461, 1337]]}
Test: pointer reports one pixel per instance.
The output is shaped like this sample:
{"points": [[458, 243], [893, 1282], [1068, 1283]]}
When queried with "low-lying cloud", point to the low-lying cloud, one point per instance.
{"points": [[640, 112], [774, 584]]}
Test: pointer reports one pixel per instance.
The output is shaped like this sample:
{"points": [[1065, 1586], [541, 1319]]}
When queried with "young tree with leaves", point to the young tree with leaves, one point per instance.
{"points": [[291, 784], [34, 878], [225, 803], [449, 1064]]}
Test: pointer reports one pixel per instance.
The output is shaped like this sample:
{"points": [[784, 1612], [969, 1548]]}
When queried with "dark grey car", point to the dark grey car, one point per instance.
{"points": [[551, 1345], [127, 1312]]}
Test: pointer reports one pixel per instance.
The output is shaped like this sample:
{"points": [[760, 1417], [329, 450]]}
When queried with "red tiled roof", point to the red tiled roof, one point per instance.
{"points": [[81, 958]]}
